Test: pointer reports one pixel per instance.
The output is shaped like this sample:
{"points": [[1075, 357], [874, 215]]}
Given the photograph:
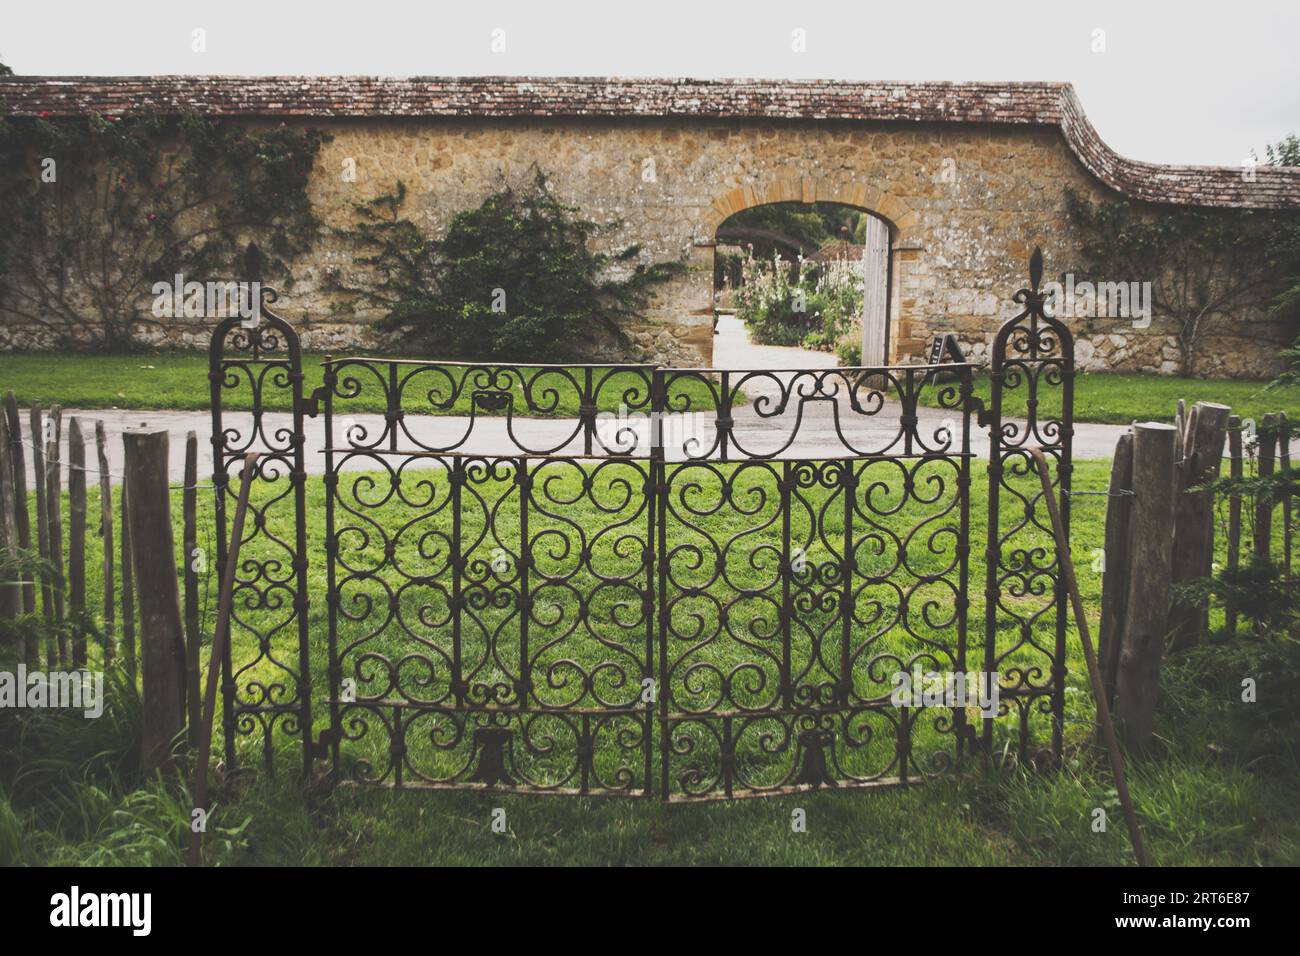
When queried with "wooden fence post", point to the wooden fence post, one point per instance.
{"points": [[1234, 512], [77, 540], [106, 532], [1114, 581], [1146, 612], [1193, 554], [54, 504], [162, 641], [127, 564], [22, 521], [11, 588], [1266, 435], [42, 527]]}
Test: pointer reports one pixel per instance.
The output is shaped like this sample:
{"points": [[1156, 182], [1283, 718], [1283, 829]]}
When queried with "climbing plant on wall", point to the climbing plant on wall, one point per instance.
{"points": [[94, 210], [1207, 267], [518, 278]]}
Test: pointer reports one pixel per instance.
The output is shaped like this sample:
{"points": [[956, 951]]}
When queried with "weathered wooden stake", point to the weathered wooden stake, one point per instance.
{"points": [[127, 564], [42, 527], [1146, 611], [1266, 435], [77, 539], [1234, 512], [1194, 515], [54, 502], [22, 521], [193, 639], [1115, 576], [106, 532], [225, 605], [162, 640], [1090, 658], [11, 588]]}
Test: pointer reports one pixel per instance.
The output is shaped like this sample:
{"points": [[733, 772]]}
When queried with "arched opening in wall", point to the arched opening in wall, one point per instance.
{"points": [[814, 276]]}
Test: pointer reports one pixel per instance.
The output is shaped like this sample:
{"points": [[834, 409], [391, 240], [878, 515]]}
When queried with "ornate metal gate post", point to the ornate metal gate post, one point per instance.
{"points": [[264, 682], [1033, 352]]}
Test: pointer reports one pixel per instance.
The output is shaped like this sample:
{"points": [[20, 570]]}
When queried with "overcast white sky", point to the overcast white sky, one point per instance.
{"points": [[1185, 82]]}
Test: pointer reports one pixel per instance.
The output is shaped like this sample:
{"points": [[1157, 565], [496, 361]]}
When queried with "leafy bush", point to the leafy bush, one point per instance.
{"points": [[814, 308], [1266, 731], [513, 279], [849, 350]]}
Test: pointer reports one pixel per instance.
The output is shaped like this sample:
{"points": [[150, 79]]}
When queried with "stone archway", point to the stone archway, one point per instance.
{"points": [[902, 219], [898, 239]]}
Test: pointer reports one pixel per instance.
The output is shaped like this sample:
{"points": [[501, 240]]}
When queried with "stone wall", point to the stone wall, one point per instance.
{"points": [[969, 177]]}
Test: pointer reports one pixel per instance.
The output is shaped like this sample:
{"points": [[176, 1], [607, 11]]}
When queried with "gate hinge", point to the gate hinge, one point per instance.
{"points": [[320, 750], [311, 403]]}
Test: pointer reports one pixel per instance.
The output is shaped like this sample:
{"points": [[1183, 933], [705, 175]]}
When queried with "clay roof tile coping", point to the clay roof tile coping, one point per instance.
{"points": [[1020, 103]]}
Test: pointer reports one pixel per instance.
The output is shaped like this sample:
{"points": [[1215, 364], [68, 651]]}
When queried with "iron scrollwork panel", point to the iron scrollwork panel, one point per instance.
{"points": [[443, 408], [255, 378], [733, 415], [793, 595], [491, 621], [1025, 599]]}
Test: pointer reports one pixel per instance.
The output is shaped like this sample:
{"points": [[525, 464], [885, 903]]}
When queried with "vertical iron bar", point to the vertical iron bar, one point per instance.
{"points": [[724, 415], [728, 757], [330, 381], [586, 754], [302, 600], [648, 599], [394, 407], [588, 406], [523, 482], [992, 536], [963, 545], [903, 746], [1064, 471], [659, 484], [787, 567], [848, 485], [216, 375], [457, 582]]}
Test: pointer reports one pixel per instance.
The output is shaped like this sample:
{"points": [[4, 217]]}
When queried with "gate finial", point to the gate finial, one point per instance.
{"points": [[252, 263], [1036, 268]]}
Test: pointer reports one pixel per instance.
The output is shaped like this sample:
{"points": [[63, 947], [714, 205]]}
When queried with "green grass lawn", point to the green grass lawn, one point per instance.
{"points": [[1118, 398], [1201, 799], [179, 381]]}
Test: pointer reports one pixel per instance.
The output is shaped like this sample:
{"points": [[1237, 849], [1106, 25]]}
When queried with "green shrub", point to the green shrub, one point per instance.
{"points": [[1265, 731], [849, 349], [514, 279], [814, 308]]}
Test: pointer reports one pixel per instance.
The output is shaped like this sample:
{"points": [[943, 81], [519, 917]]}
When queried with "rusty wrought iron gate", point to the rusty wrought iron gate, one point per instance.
{"points": [[635, 580]]}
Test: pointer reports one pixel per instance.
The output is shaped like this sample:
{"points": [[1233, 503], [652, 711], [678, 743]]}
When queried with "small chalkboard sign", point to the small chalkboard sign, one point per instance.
{"points": [[944, 344]]}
